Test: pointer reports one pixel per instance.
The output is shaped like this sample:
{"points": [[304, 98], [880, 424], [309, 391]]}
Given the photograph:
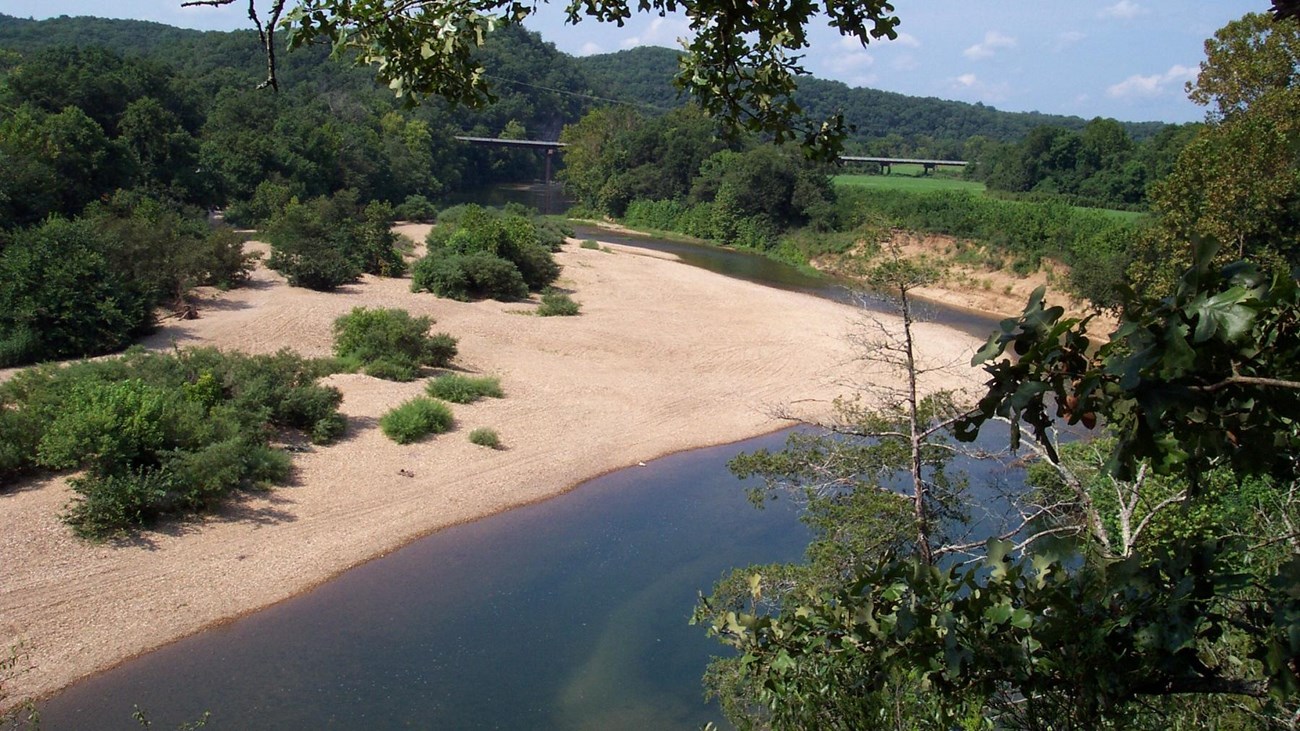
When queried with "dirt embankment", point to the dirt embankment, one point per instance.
{"points": [[973, 277]]}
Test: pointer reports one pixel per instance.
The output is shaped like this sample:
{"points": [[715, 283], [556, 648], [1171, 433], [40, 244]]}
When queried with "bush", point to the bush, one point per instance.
{"points": [[468, 276], [160, 434], [224, 263], [375, 244], [61, 296], [557, 304], [464, 389], [269, 199], [417, 208], [312, 246], [329, 242], [473, 231], [416, 419], [390, 343], [589, 244], [485, 437]]}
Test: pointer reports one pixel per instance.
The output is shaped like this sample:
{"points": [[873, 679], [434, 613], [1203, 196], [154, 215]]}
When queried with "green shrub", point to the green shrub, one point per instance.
{"points": [[61, 296], [390, 343], [464, 389], [468, 276], [442, 349], [417, 208], [160, 434], [20, 433], [416, 419], [328, 242], [311, 245], [552, 232], [224, 263], [374, 243], [557, 304], [268, 200], [392, 370], [589, 244], [485, 437], [149, 451], [536, 265], [478, 232]]}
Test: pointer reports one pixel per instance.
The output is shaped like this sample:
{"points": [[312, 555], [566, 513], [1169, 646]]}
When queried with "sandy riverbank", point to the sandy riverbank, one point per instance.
{"points": [[664, 357]]}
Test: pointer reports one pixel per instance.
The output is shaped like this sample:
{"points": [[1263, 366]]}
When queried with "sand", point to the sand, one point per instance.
{"points": [[664, 357]]}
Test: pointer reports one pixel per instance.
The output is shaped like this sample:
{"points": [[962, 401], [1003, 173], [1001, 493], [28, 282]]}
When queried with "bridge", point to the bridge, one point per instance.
{"points": [[885, 163], [549, 147]]}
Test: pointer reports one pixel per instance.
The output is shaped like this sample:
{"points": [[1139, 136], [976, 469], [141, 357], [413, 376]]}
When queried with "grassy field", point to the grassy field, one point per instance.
{"points": [[908, 177]]}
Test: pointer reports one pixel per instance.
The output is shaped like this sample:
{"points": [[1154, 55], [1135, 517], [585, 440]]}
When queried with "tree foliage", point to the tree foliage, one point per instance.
{"points": [[741, 62]]}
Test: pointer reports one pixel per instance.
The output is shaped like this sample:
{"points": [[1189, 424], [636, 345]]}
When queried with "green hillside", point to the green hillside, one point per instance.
{"points": [[644, 75]]}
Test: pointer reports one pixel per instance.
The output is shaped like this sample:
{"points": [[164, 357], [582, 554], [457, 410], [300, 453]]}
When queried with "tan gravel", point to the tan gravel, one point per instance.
{"points": [[664, 357]]}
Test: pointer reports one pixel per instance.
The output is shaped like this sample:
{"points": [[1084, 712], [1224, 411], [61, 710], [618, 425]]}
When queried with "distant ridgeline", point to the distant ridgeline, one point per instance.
{"points": [[645, 74], [641, 76]]}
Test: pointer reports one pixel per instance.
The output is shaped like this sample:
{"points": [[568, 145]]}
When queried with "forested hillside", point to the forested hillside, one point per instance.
{"points": [[886, 123]]}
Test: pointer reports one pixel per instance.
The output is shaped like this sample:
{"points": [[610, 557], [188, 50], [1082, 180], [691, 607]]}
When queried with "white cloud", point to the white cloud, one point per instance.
{"points": [[906, 62], [849, 63], [589, 49], [992, 43], [1067, 39], [659, 32], [970, 87], [1123, 10], [1153, 85], [904, 39]]}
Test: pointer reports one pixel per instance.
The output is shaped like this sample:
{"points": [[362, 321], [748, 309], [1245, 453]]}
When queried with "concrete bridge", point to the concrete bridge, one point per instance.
{"points": [[885, 163], [548, 147]]}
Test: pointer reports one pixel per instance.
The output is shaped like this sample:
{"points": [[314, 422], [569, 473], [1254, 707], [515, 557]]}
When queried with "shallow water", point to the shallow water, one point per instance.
{"points": [[567, 614]]}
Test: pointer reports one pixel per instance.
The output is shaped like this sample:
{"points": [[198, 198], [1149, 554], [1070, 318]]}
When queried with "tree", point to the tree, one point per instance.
{"points": [[61, 295], [1245, 61], [1238, 181], [1095, 632], [741, 64]]}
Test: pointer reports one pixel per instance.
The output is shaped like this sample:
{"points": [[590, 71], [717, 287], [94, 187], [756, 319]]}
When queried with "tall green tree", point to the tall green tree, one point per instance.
{"points": [[1239, 180]]}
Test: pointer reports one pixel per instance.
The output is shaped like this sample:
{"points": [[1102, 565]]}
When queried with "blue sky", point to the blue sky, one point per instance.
{"points": [[1126, 59]]}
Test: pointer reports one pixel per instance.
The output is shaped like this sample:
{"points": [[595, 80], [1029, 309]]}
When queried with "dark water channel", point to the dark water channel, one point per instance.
{"points": [[568, 614]]}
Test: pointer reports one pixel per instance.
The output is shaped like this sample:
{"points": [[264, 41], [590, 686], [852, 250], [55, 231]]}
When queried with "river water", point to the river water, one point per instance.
{"points": [[567, 614]]}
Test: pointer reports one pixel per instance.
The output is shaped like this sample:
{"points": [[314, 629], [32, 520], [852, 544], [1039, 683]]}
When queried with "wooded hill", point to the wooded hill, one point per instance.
{"points": [[895, 123]]}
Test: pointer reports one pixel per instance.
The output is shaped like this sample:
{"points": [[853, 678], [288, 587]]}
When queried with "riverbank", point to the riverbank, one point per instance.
{"points": [[663, 358]]}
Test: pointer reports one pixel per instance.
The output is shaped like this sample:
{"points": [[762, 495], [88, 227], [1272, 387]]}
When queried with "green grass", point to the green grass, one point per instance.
{"points": [[1118, 215], [485, 437], [557, 304], [904, 179], [464, 389], [416, 419], [908, 178]]}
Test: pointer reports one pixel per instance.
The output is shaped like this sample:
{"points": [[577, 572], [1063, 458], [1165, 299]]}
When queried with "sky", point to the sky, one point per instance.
{"points": [[1126, 59]]}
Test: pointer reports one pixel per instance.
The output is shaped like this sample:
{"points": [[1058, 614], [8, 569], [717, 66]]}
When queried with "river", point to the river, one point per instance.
{"points": [[568, 614]]}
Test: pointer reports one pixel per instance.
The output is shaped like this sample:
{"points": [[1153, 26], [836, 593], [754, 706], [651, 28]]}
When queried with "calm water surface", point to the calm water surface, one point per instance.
{"points": [[568, 614]]}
